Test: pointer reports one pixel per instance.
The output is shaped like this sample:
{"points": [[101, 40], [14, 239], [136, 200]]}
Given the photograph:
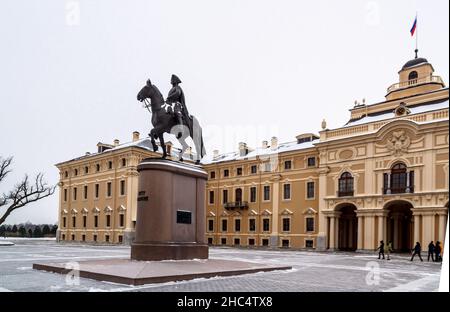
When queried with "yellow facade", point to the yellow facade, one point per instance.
{"points": [[382, 176]]}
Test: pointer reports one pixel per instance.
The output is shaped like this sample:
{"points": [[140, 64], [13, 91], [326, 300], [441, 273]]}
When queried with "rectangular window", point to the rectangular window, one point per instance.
{"points": [[239, 171], [110, 164], [237, 225], [265, 242], [65, 194], [75, 193], [121, 220], [286, 224], [266, 225], [285, 243], [237, 241], [95, 238], [95, 221], [226, 173], [251, 242], [253, 194], [107, 238], [252, 225], [124, 162], [224, 225], [73, 237], [122, 187], [309, 243], [64, 222], [84, 221], [225, 196], [108, 189], [86, 170], [108, 220], [309, 224], [211, 197], [266, 192], [311, 161], [310, 190], [210, 225], [85, 192], [83, 238], [287, 165], [286, 191], [212, 175], [253, 169], [97, 188], [210, 241], [223, 241], [97, 167], [74, 221], [120, 238]]}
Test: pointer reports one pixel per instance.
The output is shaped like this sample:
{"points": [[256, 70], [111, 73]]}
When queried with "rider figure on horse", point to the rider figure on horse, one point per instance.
{"points": [[176, 97]]}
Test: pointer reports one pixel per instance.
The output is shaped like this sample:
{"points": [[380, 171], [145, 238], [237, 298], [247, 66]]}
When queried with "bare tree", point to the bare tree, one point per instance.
{"points": [[23, 193]]}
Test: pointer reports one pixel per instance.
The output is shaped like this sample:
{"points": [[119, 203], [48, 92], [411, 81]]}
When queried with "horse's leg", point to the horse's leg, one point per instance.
{"points": [[184, 146], [163, 145], [153, 135]]}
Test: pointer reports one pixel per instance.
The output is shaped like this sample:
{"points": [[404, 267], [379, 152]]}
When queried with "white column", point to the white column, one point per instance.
{"points": [[360, 233], [417, 221], [443, 219], [369, 225], [332, 232], [427, 228], [382, 228]]}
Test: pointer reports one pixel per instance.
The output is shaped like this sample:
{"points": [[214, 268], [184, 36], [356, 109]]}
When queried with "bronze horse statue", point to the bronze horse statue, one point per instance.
{"points": [[164, 121]]}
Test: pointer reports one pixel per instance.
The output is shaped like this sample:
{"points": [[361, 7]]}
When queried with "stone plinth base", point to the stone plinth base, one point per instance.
{"points": [[174, 251], [125, 271]]}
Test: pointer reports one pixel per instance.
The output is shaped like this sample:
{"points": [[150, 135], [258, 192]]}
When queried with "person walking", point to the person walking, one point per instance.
{"points": [[417, 251], [431, 250], [387, 250], [437, 252], [381, 250]]}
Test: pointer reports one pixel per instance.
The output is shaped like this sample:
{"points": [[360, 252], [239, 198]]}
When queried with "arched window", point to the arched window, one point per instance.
{"points": [[346, 184], [399, 179], [413, 77], [238, 195]]}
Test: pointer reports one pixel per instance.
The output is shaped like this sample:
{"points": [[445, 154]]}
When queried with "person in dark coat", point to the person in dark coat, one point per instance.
{"points": [[381, 250], [437, 252], [417, 251], [431, 250], [176, 98]]}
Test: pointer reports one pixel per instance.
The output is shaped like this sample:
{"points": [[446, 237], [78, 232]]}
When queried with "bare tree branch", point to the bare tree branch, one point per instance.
{"points": [[4, 164], [24, 192]]}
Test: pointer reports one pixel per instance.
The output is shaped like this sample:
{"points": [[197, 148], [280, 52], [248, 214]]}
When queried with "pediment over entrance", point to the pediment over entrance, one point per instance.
{"points": [[309, 211]]}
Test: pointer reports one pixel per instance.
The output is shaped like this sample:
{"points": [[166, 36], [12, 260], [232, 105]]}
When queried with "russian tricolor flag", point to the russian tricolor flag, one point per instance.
{"points": [[414, 27]]}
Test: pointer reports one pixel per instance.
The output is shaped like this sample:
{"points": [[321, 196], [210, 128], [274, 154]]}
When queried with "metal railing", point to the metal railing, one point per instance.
{"points": [[238, 204], [414, 82]]}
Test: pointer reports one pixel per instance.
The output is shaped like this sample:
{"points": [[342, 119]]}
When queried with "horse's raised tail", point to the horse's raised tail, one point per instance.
{"points": [[197, 137]]}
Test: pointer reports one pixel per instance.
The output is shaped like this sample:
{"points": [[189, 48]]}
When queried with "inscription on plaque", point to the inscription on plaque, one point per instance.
{"points": [[184, 217], [142, 197]]}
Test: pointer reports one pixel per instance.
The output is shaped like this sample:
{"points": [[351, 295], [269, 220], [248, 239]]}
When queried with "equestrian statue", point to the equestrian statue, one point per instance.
{"points": [[174, 120]]}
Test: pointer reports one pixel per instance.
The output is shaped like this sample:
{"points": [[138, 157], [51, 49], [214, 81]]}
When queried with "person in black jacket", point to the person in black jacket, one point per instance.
{"points": [[437, 252], [431, 250], [381, 250], [416, 251]]}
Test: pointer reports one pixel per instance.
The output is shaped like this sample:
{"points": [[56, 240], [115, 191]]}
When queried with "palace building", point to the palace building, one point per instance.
{"points": [[98, 192], [383, 175]]}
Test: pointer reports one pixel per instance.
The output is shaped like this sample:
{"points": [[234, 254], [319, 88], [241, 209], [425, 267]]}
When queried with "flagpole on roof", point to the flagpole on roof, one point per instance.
{"points": [[417, 35]]}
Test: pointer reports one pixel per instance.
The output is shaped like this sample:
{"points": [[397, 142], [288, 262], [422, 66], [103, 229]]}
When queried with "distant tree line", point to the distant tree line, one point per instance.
{"points": [[28, 230]]}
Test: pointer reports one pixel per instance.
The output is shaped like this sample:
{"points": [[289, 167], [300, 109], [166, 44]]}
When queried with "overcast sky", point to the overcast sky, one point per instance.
{"points": [[251, 69]]}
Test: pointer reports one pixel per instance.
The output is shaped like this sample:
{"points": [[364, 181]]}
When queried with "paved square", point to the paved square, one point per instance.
{"points": [[312, 271]]}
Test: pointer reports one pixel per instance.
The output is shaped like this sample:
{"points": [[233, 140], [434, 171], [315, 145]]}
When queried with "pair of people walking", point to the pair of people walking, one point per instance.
{"points": [[434, 252], [385, 249]]}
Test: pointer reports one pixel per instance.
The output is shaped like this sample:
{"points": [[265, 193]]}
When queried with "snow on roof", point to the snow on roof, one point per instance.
{"points": [[144, 143], [390, 114], [259, 152]]}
